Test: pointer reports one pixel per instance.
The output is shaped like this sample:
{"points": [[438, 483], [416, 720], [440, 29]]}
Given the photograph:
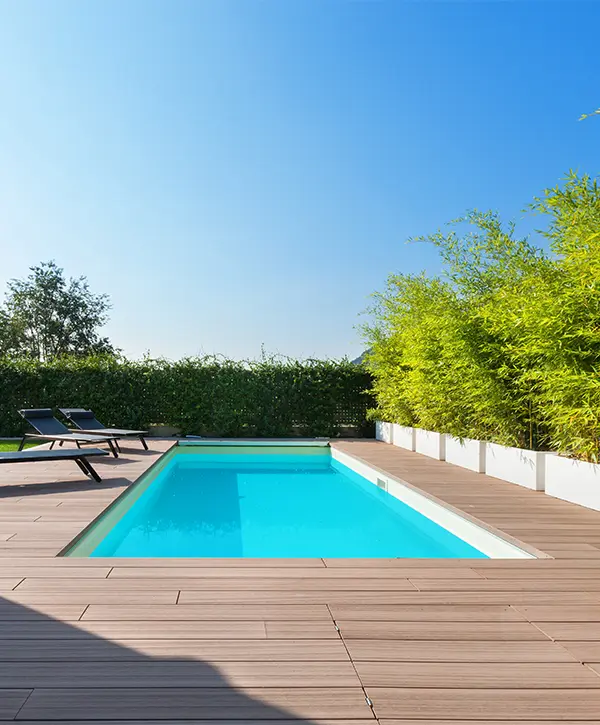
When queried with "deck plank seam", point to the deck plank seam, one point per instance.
{"points": [[16, 716], [368, 700]]}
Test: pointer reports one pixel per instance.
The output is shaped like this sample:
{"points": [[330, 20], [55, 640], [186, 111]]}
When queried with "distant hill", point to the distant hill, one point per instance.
{"points": [[361, 358]]}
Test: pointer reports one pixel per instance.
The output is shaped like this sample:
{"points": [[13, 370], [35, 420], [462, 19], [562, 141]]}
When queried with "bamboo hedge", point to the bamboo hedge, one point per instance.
{"points": [[199, 396], [504, 345]]}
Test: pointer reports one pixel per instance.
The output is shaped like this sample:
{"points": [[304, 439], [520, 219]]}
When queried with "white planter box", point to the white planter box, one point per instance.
{"points": [[430, 444], [516, 465], [467, 453], [574, 481], [403, 437], [383, 431]]}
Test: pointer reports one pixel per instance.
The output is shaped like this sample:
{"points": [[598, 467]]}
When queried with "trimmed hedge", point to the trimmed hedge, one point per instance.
{"points": [[200, 396]]}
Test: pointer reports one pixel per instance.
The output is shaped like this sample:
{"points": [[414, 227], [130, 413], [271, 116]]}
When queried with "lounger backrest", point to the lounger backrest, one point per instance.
{"points": [[82, 418], [43, 420]]}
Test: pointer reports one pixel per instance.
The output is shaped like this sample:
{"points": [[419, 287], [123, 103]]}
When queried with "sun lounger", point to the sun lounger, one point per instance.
{"points": [[50, 429], [87, 422], [73, 454]]}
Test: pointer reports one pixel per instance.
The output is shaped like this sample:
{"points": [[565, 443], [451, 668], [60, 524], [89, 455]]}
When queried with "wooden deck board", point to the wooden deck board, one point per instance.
{"points": [[571, 630], [200, 703], [254, 640], [207, 650], [358, 596], [440, 631], [476, 675], [415, 651], [482, 704], [11, 701], [196, 674], [565, 613], [218, 612], [312, 573], [426, 613]]}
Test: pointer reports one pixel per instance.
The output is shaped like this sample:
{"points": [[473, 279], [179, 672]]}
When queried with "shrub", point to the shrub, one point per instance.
{"points": [[504, 346], [201, 396]]}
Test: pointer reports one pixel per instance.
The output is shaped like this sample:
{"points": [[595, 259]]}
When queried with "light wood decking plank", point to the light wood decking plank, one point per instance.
{"points": [[313, 573], [10, 612], [481, 704], [11, 700], [476, 675], [564, 613], [508, 585], [199, 703], [414, 651], [215, 612], [462, 631], [237, 584], [426, 613], [96, 649], [412, 598], [51, 629], [193, 674], [87, 596], [571, 630]]}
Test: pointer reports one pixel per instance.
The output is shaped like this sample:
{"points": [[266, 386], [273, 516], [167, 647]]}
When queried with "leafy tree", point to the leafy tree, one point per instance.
{"points": [[47, 316]]}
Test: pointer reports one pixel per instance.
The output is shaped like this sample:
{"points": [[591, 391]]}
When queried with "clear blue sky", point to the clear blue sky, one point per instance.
{"points": [[238, 173]]}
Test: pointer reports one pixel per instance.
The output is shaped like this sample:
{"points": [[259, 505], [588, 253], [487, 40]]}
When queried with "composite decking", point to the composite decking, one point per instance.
{"points": [[336, 641]]}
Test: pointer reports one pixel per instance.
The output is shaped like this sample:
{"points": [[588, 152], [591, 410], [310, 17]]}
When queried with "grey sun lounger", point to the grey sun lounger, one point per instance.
{"points": [[50, 429], [87, 422], [73, 454]]}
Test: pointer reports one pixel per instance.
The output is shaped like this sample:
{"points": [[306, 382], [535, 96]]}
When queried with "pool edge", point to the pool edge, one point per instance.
{"points": [[401, 490]]}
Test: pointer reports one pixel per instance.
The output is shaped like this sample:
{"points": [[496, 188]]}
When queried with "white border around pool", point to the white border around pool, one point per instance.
{"points": [[485, 541]]}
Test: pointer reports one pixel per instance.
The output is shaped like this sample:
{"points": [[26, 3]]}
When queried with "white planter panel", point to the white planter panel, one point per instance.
{"points": [[467, 453], [383, 431], [403, 437], [516, 465], [430, 443], [574, 481]]}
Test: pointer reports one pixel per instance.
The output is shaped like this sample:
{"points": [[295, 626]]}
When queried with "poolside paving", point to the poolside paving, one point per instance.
{"points": [[338, 641]]}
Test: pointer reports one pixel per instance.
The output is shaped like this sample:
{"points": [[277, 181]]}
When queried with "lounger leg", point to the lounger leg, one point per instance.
{"points": [[87, 468], [77, 442], [60, 444], [117, 446], [52, 444], [93, 472], [112, 448], [22, 443], [81, 466], [144, 443]]}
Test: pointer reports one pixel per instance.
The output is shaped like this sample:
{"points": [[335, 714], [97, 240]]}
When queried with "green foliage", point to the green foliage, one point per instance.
{"points": [[506, 346], [589, 115], [201, 396], [13, 445], [46, 316]]}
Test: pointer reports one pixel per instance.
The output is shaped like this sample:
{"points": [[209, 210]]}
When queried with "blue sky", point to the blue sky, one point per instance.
{"points": [[244, 173]]}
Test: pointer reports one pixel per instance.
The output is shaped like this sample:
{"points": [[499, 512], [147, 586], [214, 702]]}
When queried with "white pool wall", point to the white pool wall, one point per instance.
{"points": [[485, 541]]}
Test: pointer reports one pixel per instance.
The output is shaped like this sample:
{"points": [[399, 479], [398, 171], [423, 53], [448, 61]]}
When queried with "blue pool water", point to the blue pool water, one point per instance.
{"points": [[270, 505]]}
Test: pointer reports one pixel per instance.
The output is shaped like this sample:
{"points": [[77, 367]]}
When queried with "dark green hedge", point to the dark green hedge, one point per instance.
{"points": [[201, 396]]}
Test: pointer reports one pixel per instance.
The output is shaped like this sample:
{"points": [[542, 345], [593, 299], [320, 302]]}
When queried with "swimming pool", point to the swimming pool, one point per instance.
{"points": [[274, 501]]}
